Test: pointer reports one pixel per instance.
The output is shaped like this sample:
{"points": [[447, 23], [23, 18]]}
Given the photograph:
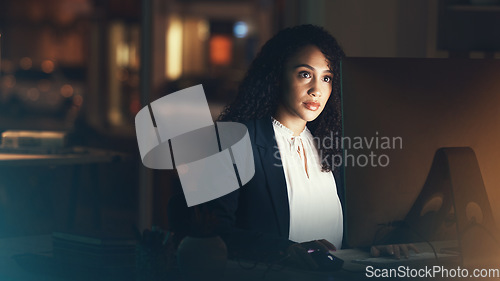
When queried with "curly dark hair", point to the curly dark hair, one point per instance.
{"points": [[258, 94]]}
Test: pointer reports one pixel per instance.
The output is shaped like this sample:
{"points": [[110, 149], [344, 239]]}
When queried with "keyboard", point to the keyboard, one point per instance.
{"points": [[414, 258]]}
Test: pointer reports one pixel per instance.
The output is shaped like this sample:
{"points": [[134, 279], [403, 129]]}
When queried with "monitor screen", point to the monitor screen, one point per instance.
{"points": [[397, 113]]}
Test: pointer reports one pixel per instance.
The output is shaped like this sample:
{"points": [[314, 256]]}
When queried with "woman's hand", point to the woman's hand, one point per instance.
{"points": [[396, 250], [299, 253]]}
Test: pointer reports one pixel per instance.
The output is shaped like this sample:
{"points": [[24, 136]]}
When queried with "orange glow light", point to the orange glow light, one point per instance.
{"points": [[47, 66], [221, 50], [135, 106], [66, 91]]}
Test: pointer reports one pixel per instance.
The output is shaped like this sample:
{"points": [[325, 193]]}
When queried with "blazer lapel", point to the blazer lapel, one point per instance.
{"points": [[273, 170]]}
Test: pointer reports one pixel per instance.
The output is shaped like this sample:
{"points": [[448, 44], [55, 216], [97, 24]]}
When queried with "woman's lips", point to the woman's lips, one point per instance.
{"points": [[312, 105]]}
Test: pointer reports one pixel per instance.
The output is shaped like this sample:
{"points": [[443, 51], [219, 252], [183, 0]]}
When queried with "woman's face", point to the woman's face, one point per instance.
{"points": [[306, 88]]}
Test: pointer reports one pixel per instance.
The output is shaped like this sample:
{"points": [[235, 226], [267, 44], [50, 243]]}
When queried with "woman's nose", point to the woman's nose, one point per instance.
{"points": [[314, 91]]}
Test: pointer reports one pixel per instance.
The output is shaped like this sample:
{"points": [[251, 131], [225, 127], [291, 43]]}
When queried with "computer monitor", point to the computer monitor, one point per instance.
{"points": [[397, 115]]}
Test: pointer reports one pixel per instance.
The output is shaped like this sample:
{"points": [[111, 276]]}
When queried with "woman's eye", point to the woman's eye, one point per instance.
{"points": [[305, 74], [327, 79]]}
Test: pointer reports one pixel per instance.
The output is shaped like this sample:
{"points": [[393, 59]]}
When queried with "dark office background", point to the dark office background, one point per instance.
{"points": [[88, 66]]}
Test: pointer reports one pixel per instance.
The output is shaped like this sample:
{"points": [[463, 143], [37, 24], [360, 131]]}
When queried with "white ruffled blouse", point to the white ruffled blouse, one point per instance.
{"points": [[315, 209]]}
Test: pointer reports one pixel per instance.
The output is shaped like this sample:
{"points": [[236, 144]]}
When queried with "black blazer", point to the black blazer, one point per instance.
{"points": [[255, 219]]}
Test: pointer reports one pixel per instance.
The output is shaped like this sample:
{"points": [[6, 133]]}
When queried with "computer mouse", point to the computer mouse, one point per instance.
{"points": [[326, 261]]}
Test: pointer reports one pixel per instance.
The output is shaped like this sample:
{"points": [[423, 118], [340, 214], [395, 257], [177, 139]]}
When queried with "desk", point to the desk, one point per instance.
{"points": [[10, 247], [30, 258], [261, 273], [13, 248], [350, 271], [77, 158]]}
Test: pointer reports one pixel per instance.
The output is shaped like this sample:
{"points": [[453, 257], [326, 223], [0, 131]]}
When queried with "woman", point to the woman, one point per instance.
{"points": [[290, 102]]}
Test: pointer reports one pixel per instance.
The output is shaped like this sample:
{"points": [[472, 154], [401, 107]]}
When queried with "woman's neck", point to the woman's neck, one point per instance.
{"points": [[295, 124]]}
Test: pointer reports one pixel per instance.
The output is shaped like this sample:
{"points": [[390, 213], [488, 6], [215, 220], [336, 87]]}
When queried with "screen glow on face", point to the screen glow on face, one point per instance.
{"points": [[307, 87]]}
